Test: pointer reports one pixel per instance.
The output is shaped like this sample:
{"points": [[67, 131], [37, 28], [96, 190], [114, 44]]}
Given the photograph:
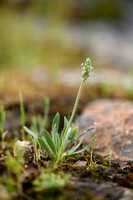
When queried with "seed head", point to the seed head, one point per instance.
{"points": [[87, 68]]}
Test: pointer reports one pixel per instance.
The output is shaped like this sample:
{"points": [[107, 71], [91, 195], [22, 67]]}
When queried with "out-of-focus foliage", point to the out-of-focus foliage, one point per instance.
{"points": [[32, 31], [48, 181]]}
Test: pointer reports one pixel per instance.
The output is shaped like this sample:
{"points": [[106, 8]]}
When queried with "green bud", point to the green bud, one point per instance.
{"points": [[73, 133], [86, 71], [88, 62]]}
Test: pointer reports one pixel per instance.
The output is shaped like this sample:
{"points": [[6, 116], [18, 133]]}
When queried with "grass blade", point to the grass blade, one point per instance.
{"points": [[22, 110], [46, 111]]}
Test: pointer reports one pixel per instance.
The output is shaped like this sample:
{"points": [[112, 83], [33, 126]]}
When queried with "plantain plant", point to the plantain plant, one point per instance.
{"points": [[56, 144]]}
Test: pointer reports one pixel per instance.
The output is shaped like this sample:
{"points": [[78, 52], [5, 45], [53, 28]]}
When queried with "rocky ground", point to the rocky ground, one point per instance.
{"points": [[110, 175], [113, 120]]}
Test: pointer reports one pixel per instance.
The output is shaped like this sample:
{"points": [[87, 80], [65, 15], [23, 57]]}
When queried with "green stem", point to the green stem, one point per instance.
{"points": [[2, 134], [75, 105], [93, 140], [23, 133]]}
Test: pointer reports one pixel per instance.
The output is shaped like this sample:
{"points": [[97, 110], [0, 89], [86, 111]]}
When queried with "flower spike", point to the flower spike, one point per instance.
{"points": [[87, 68]]}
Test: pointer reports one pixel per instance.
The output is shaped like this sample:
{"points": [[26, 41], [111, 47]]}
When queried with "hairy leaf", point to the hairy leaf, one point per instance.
{"points": [[56, 121], [64, 129], [45, 146], [72, 134], [30, 132], [49, 141], [57, 140]]}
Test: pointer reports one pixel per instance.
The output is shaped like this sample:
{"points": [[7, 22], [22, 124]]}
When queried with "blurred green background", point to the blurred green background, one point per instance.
{"points": [[43, 43], [59, 35], [37, 33]]}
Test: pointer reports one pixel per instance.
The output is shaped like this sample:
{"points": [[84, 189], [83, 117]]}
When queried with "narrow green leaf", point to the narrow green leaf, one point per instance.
{"points": [[62, 148], [67, 134], [75, 147], [49, 141], [30, 132], [56, 121], [52, 153], [64, 129], [57, 139], [45, 146], [53, 133], [80, 151]]}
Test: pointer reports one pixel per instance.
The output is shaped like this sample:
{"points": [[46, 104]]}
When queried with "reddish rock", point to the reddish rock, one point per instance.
{"points": [[114, 127]]}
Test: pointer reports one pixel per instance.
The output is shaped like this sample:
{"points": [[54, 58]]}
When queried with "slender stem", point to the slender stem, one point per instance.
{"points": [[75, 105], [23, 133], [2, 136], [93, 140], [55, 164], [71, 118]]}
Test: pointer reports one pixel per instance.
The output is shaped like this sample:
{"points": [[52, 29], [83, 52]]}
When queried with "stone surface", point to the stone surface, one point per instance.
{"points": [[24, 150], [80, 164], [114, 127], [99, 190]]}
